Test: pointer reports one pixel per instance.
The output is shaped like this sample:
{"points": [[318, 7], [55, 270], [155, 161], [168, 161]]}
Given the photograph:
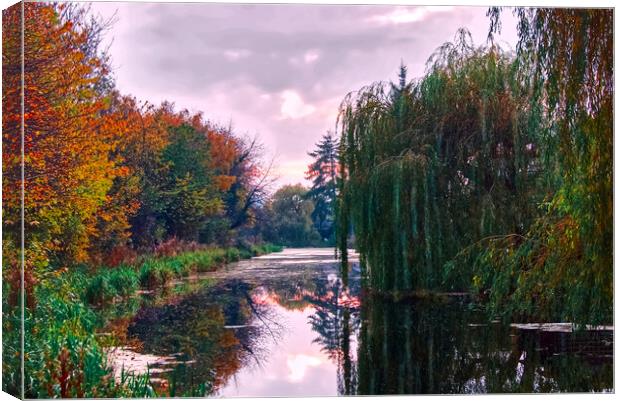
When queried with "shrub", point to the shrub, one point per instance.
{"points": [[219, 255], [232, 254], [99, 289], [124, 280], [263, 249], [245, 253], [175, 246], [155, 273], [120, 255]]}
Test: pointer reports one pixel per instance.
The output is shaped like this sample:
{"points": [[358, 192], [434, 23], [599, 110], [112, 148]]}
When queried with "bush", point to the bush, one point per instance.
{"points": [[124, 280], [263, 249], [219, 255], [232, 255], [99, 289], [245, 253], [175, 246], [120, 255], [269, 248], [155, 273]]}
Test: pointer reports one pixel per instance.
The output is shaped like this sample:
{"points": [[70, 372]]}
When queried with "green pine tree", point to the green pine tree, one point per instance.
{"points": [[322, 173]]}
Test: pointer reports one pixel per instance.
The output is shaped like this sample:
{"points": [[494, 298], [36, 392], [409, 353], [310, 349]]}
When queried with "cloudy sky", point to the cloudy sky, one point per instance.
{"points": [[276, 71]]}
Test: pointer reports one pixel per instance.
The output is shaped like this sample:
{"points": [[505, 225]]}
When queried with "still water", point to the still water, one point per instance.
{"points": [[284, 325]]}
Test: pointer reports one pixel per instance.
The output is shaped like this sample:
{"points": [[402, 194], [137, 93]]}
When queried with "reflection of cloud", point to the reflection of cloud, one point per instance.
{"points": [[407, 15], [298, 364], [293, 106]]}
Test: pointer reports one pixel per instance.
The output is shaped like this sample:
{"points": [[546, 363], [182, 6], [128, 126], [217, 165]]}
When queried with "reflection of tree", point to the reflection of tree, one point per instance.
{"points": [[217, 331], [430, 347], [335, 320], [402, 347], [290, 293]]}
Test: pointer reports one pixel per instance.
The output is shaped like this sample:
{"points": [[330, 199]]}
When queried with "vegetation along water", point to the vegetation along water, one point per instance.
{"points": [[460, 225]]}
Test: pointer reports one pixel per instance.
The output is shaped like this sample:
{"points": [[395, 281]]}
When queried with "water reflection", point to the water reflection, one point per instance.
{"points": [[284, 327], [446, 348], [336, 322], [211, 331]]}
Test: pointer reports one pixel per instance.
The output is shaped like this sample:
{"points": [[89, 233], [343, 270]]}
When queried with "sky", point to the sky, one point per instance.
{"points": [[276, 71]]}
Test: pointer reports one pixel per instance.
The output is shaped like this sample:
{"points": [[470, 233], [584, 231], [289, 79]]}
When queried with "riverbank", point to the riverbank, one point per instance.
{"points": [[64, 355], [152, 272]]}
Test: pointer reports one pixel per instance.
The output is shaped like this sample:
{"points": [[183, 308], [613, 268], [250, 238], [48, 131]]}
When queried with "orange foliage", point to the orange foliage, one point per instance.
{"points": [[87, 149], [67, 136]]}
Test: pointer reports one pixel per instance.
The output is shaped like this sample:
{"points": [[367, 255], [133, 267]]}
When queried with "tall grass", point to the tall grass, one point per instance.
{"points": [[109, 283], [152, 272]]}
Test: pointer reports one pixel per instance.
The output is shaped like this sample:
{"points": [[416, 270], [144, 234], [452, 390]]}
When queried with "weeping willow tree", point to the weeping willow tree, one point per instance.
{"points": [[434, 165], [493, 170], [563, 267]]}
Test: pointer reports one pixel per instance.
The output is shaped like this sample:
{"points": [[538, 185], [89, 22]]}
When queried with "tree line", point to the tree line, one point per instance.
{"points": [[492, 172], [104, 173]]}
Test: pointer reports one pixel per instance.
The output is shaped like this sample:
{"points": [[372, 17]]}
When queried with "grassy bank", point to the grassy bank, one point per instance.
{"points": [[152, 272], [63, 355]]}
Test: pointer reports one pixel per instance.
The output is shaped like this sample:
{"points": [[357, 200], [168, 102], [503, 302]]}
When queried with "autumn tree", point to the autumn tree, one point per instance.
{"points": [[102, 173], [69, 136], [189, 197], [66, 99]]}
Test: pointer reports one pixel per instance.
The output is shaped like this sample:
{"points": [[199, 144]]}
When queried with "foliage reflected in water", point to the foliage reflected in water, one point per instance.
{"points": [[378, 346], [336, 321], [444, 347], [211, 333]]}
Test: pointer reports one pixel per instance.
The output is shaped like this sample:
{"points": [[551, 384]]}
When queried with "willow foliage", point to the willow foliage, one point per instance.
{"points": [[434, 165], [563, 269], [494, 171]]}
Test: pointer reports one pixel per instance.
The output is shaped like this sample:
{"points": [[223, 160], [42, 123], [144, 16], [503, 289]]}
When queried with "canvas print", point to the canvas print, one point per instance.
{"points": [[221, 200]]}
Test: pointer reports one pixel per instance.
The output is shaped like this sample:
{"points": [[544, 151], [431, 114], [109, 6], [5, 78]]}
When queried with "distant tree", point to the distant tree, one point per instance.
{"points": [[288, 217], [322, 173], [396, 91], [252, 179]]}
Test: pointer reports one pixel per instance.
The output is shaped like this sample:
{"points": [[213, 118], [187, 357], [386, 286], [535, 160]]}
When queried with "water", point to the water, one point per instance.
{"points": [[284, 325]]}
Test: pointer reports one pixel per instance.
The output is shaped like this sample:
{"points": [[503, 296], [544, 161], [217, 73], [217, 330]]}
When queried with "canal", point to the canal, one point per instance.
{"points": [[285, 325]]}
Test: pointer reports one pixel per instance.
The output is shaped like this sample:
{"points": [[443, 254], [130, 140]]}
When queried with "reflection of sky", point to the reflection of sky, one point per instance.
{"points": [[294, 366]]}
